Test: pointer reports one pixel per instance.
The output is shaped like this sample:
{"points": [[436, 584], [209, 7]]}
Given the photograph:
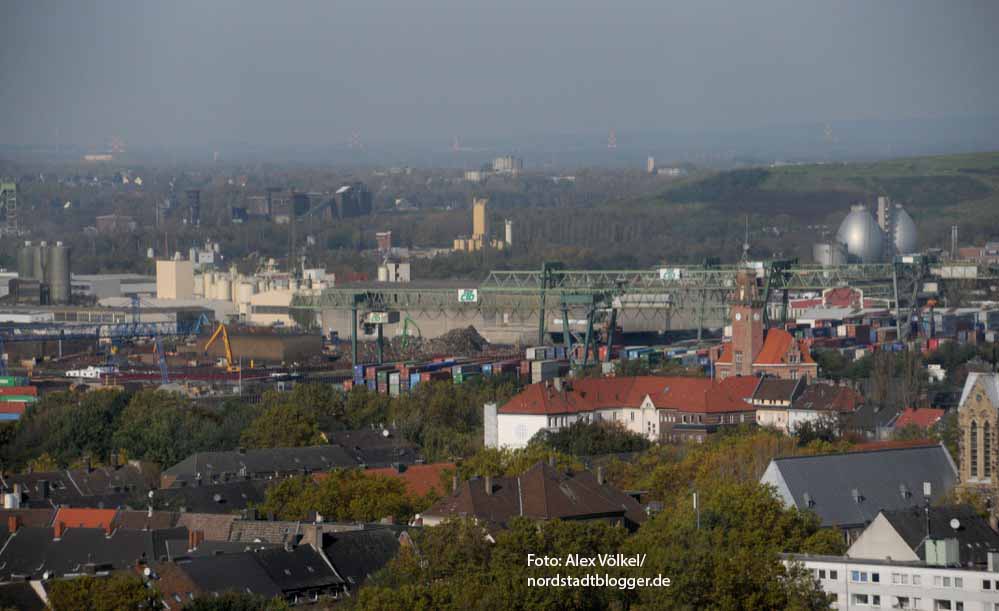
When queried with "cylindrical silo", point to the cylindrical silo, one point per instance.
{"points": [[25, 262], [224, 289], [57, 274], [38, 261]]}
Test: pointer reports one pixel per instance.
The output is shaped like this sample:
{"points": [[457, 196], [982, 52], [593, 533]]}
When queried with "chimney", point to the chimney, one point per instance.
{"points": [[58, 528], [13, 523], [489, 485], [190, 540], [108, 529], [46, 489], [454, 483], [199, 538], [18, 492], [600, 476], [113, 460]]}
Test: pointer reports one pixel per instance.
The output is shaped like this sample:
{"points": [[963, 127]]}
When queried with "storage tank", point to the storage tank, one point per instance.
{"points": [[905, 237], [25, 262], [829, 254], [863, 237], [223, 289], [38, 261], [246, 290], [57, 273]]}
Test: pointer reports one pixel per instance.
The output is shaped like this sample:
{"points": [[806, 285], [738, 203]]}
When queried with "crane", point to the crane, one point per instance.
{"points": [[406, 324], [161, 360], [221, 330]]}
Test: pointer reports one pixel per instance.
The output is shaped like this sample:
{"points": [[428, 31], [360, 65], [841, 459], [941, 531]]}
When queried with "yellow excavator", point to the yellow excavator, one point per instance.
{"points": [[230, 364]]}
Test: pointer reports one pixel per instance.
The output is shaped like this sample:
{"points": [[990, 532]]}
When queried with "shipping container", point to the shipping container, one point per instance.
{"points": [[19, 390], [13, 381], [18, 399], [371, 384]]}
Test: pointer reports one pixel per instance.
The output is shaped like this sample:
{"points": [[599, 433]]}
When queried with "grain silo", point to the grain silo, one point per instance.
{"points": [[57, 273]]}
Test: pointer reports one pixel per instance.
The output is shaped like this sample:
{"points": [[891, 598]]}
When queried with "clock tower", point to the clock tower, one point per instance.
{"points": [[747, 322]]}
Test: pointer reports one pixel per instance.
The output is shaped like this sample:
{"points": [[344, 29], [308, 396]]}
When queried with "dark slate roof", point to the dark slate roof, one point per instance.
{"points": [[542, 493], [358, 554], [259, 463], [974, 535], [877, 476], [20, 595], [371, 447], [230, 573], [177, 548], [217, 498], [301, 568], [33, 551], [85, 487], [774, 389]]}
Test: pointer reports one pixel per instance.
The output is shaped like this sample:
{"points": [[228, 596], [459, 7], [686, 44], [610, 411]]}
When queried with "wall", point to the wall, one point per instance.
{"points": [[515, 430], [174, 280], [881, 541]]}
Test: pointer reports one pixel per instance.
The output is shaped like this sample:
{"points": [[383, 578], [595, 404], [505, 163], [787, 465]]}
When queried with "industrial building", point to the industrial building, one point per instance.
{"points": [[862, 238], [174, 279], [43, 274], [480, 237]]}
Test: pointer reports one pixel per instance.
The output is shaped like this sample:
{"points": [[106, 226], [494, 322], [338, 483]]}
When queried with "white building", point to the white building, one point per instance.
{"points": [[867, 585]]}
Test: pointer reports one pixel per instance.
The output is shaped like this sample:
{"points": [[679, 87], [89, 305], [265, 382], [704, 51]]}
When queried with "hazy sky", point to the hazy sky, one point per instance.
{"points": [[199, 73]]}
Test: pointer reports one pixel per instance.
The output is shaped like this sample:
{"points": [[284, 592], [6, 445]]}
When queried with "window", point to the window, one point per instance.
{"points": [[858, 576], [875, 601], [632, 416], [876, 577], [917, 580], [941, 605], [833, 574], [822, 573], [861, 599], [987, 451], [986, 584], [946, 582], [958, 582], [902, 602], [973, 445]]}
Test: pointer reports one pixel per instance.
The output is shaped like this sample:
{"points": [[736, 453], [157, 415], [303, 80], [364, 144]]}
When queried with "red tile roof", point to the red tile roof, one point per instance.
{"points": [[774, 350], [85, 518], [923, 418], [829, 397], [591, 394], [419, 479]]}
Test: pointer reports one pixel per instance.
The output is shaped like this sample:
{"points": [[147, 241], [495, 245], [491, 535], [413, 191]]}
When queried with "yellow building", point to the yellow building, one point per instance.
{"points": [[174, 279], [480, 230]]}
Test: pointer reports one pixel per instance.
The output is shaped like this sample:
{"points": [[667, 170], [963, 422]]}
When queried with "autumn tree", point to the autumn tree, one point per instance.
{"points": [[117, 592], [345, 495], [282, 426]]}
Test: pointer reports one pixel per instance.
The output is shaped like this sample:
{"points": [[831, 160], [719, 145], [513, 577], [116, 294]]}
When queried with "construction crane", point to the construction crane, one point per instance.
{"points": [[161, 360], [230, 366], [406, 324]]}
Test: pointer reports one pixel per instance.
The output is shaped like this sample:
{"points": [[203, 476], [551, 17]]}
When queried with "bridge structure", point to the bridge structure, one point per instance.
{"points": [[697, 291]]}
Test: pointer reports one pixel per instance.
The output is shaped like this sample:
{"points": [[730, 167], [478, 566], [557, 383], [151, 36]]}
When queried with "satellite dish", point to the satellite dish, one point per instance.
{"points": [[46, 575], [385, 433], [147, 571], [955, 523], [150, 494]]}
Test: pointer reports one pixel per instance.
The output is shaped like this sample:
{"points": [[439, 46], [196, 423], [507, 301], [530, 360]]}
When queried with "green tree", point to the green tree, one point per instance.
{"points": [[346, 495], [117, 592], [237, 601], [282, 426], [591, 439]]}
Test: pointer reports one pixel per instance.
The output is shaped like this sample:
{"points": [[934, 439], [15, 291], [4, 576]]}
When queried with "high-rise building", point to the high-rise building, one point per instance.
{"points": [[650, 165], [350, 200], [508, 164]]}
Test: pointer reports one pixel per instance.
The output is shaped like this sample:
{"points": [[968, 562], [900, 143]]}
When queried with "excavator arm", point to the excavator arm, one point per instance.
{"points": [[221, 330]]}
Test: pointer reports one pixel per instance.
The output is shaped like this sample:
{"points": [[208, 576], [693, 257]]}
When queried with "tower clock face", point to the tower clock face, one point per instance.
{"points": [[738, 315]]}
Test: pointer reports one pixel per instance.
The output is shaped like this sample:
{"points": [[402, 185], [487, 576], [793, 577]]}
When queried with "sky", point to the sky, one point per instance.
{"points": [[204, 73]]}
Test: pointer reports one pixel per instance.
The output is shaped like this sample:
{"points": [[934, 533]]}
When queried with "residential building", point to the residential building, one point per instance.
{"points": [[754, 350], [848, 490], [903, 534], [540, 493], [922, 418], [358, 554], [773, 398], [659, 408], [824, 405], [861, 584]]}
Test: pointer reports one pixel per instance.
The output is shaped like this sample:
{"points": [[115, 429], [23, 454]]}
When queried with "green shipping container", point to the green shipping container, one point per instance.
{"points": [[18, 399], [12, 381]]}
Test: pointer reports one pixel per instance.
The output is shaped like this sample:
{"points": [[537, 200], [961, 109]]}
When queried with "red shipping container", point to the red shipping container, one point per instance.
{"points": [[30, 391], [12, 407]]}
